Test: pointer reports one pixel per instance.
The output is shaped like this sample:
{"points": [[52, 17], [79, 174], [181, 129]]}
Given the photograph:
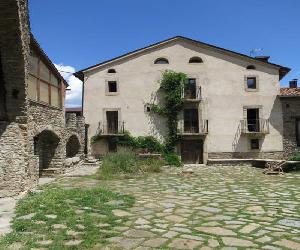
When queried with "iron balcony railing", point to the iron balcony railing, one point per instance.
{"points": [[192, 94], [196, 129], [110, 128], [250, 126]]}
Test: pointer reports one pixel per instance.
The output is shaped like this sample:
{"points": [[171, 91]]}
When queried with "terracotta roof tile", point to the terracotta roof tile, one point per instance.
{"points": [[289, 92]]}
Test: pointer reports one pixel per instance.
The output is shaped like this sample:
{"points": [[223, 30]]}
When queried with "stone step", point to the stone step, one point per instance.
{"points": [[49, 172]]}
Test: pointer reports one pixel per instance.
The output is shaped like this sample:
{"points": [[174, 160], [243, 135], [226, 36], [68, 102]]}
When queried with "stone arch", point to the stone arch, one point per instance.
{"points": [[72, 146], [46, 148]]}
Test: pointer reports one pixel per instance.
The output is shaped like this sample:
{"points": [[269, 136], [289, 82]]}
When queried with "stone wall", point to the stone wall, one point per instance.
{"points": [[291, 111], [32, 135], [14, 51], [246, 155]]}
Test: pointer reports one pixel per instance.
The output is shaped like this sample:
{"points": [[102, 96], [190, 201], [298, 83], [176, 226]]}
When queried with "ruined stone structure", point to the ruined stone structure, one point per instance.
{"points": [[290, 99], [34, 136]]}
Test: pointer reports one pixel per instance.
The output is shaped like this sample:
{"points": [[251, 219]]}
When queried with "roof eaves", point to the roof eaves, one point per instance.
{"points": [[282, 70]]}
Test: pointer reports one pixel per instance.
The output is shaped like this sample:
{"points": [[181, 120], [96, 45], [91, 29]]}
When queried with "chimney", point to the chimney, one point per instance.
{"points": [[293, 83], [263, 58]]}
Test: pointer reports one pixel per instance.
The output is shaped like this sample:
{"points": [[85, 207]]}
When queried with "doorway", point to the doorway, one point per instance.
{"points": [[112, 122], [253, 120], [191, 121], [192, 151]]}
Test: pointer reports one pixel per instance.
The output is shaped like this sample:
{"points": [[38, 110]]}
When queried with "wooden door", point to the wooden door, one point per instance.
{"points": [[192, 151], [112, 122]]}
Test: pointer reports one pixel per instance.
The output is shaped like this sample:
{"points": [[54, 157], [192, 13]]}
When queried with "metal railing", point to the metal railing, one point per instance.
{"points": [[249, 126], [192, 94], [201, 128], [110, 128]]}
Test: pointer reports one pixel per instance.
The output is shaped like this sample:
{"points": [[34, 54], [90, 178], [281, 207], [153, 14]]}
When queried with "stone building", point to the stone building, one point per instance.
{"points": [[290, 99], [35, 138], [231, 109]]}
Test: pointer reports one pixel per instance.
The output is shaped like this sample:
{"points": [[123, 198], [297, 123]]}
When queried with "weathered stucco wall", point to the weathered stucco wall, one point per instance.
{"points": [[221, 78]]}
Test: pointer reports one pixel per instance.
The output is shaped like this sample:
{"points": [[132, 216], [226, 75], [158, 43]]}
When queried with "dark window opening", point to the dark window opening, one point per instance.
{"points": [[253, 120], [147, 108], [195, 59], [161, 61], [191, 121], [111, 71], [298, 131], [190, 89], [112, 86], [251, 82], [254, 143], [250, 67]]}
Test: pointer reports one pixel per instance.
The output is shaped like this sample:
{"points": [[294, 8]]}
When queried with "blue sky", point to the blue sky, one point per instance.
{"points": [[76, 34]]}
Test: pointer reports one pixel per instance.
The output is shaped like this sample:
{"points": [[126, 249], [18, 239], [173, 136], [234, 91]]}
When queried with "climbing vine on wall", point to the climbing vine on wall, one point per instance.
{"points": [[172, 85]]}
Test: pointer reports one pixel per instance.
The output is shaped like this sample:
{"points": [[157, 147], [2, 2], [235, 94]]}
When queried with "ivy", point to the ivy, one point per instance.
{"points": [[172, 85]]}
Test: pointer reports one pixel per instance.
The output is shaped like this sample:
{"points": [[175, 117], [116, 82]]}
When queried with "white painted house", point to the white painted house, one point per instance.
{"points": [[231, 110]]}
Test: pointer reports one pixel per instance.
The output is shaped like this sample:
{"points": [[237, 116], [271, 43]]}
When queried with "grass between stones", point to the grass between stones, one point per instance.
{"points": [[59, 218], [124, 165]]}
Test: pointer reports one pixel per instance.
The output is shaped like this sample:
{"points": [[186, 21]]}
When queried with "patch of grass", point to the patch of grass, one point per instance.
{"points": [[295, 157], [173, 159], [127, 164], [77, 210]]}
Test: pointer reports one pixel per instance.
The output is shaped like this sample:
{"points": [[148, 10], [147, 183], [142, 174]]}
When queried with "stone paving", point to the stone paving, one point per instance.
{"points": [[214, 208]]}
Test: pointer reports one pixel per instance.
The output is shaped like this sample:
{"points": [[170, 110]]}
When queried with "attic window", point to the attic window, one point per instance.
{"points": [[111, 71], [161, 61], [250, 67], [195, 59]]}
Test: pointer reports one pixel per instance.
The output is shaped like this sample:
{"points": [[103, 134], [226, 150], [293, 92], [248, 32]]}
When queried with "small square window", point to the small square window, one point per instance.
{"points": [[147, 108], [112, 86], [251, 82], [254, 143]]}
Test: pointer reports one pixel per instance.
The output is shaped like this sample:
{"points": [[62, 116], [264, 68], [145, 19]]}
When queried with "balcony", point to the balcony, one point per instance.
{"points": [[255, 127], [200, 129], [192, 94], [110, 129]]}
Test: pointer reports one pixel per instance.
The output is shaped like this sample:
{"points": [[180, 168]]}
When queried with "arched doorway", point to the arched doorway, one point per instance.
{"points": [[72, 146], [45, 147]]}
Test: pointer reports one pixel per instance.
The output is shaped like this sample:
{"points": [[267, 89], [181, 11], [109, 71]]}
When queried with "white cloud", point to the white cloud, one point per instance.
{"points": [[73, 96]]}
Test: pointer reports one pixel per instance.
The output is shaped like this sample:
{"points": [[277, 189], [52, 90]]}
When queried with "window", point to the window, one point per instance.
{"points": [[254, 143], [147, 108], [112, 86], [251, 82], [190, 91], [250, 67], [43, 85], [111, 71], [195, 59], [161, 61]]}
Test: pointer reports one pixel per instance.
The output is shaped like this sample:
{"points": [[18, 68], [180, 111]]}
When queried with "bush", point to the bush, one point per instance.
{"points": [[127, 163], [149, 144], [172, 159], [295, 157]]}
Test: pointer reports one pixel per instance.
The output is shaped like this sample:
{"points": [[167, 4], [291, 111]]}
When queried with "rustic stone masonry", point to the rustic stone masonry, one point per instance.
{"points": [[33, 136], [291, 112], [246, 155]]}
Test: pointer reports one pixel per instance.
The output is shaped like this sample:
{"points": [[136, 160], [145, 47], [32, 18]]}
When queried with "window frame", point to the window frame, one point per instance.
{"points": [[107, 92], [156, 61], [49, 83], [195, 60], [256, 83]]}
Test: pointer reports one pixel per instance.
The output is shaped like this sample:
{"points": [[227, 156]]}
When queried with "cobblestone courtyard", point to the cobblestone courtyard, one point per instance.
{"points": [[226, 208]]}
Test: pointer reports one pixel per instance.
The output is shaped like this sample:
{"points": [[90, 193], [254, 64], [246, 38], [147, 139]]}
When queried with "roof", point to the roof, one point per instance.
{"points": [[76, 109], [289, 92], [34, 43], [282, 70]]}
